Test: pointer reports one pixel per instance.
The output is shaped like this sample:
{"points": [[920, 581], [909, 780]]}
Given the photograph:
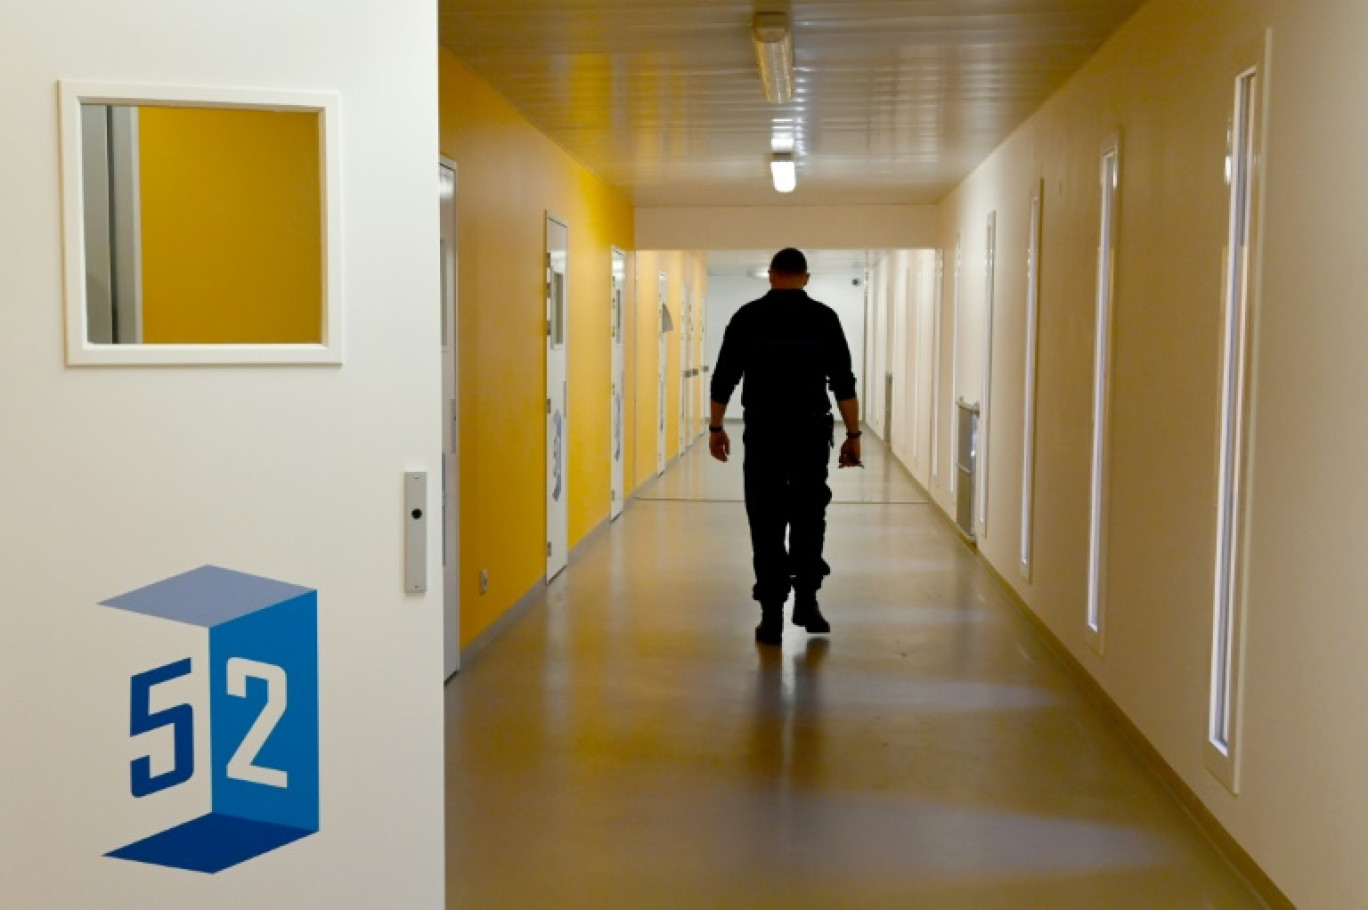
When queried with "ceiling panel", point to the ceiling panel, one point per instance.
{"points": [[897, 99]]}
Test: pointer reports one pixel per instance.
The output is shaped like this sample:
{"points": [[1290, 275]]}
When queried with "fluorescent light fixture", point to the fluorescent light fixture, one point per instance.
{"points": [[774, 52], [785, 172]]}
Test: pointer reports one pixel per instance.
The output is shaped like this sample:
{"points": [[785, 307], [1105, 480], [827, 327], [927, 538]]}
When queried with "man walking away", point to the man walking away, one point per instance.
{"points": [[789, 349]]}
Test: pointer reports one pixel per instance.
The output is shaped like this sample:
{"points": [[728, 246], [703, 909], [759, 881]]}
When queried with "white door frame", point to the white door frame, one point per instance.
{"points": [[113, 223], [557, 394], [451, 422]]}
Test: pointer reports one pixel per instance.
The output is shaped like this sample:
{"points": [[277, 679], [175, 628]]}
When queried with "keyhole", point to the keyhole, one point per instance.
{"points": [[417, 514]]}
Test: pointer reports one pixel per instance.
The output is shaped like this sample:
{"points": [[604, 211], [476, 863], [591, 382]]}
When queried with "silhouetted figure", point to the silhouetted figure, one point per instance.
{"points": [[789, 349]]}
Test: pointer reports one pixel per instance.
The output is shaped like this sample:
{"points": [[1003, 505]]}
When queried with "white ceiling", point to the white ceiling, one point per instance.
{"points": [[897, 99]]}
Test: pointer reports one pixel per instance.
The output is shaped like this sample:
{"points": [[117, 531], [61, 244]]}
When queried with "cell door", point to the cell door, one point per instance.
{"points": [[557, 396], [451, 429], [685, 368], [618, 423], [664, 316]]}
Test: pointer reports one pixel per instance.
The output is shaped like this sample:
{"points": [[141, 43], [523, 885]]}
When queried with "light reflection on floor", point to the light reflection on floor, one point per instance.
{"points": [[627, 745], [697, 477]]}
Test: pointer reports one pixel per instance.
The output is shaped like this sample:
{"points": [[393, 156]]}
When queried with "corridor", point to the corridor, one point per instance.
{"points": [[627, 745]]}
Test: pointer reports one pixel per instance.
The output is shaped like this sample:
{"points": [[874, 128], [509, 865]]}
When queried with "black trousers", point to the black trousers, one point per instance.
{"points": [[785, 469]]}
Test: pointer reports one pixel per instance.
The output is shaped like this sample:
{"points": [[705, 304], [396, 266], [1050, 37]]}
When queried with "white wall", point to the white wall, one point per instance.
{"points": [[728, 293], [112, 479], [903, 284], [1166, 82]]}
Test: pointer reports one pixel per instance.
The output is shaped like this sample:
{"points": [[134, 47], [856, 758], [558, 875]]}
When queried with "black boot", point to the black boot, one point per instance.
{"points": [[807, 615], [771, 628]]}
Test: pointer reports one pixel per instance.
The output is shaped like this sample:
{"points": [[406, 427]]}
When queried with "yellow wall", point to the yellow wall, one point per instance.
{"points": [[680, 267], [231, 226], [509, 177], [1166, 81], [698, 269]]}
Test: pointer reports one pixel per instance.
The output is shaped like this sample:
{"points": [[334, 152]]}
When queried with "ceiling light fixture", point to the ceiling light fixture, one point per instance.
{"points": [[785, 172], [774, 51]]}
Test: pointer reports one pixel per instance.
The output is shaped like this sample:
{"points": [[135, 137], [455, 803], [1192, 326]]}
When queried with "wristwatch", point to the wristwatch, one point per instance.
{"points": [[714, 429]]}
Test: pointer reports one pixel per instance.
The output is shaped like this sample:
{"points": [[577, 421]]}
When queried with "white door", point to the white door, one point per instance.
{"points": [[685, 368], [663, 315], [618, 383], [451, 431], [557, 396]]}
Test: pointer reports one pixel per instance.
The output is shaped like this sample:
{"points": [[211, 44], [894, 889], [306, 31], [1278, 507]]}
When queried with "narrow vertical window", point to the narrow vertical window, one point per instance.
{"points": [[1028, 411], [936, 368], [1106, 280], [1233, 430], [989, 292]]}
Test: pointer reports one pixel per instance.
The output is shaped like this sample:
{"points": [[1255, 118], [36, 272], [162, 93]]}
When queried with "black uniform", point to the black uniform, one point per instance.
{"points": [[789, 348]]}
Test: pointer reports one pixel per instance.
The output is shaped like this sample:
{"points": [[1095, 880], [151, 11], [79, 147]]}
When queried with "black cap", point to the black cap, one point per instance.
{"points": [[789, 262]]}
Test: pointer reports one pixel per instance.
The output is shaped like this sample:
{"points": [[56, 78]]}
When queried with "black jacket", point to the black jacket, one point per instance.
{"points": [[790, 349]]}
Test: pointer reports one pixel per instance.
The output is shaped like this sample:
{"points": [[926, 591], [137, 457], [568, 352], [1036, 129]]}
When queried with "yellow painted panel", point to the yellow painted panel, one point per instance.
{"points": [[679, 267], [510, 177], [232, 248]]}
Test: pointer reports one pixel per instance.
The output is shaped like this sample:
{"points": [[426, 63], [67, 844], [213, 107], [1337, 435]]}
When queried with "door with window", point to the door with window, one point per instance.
{"points": [[451, 427], [557, 396], [618, 421]]}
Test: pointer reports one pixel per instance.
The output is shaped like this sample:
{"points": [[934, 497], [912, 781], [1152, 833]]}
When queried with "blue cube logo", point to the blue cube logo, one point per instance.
{"points": [[260, 654]]}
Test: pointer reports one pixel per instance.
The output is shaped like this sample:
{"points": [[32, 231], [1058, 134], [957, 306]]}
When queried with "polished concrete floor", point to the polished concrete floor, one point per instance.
{"points": [[697, 477], [626, 744]]}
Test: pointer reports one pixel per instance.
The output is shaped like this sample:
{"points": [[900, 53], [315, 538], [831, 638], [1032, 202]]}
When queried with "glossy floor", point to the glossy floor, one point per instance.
{"points": [[698, 477], [627, 744]]}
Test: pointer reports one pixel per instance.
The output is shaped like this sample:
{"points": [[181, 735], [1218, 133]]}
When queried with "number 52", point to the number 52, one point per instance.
{"points": [[181, 719]]}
